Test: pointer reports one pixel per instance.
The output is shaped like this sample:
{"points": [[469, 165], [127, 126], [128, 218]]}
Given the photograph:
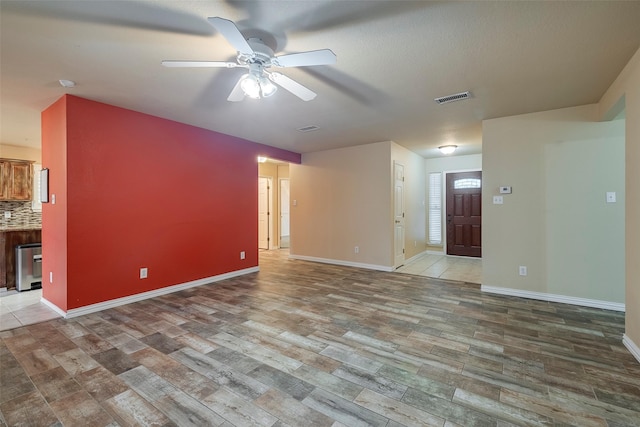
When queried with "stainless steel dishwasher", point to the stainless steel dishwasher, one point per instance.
{"points": [[28, 266]]}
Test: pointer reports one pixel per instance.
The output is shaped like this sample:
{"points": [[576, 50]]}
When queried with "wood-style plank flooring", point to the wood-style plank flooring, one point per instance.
{"points": [[306, 344]]}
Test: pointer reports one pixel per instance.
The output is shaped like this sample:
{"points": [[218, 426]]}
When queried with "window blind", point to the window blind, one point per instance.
{"points": [[435, 208]]}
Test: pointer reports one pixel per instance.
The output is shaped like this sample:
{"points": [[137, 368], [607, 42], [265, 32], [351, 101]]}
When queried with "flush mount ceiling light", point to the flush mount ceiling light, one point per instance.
{"points": [[262, 159], [67, 83], [447, 149]]}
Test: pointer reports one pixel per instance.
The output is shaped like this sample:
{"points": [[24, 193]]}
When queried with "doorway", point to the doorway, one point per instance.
{"points": [[464, 213], [284, 213], [264, 212], [398, 213]]}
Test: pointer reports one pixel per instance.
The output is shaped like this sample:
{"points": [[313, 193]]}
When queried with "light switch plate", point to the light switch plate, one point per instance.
{"points": [[505, 190], [7, 214], [498, 200]]}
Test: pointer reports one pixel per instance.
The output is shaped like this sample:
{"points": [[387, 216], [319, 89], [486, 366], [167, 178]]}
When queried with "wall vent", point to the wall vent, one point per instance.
{"points": [[455, 97], [308, 128]]}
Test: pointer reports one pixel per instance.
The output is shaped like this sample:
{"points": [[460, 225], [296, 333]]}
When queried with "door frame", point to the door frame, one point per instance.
{"points": [[269, 212], [396, 262], [443, 218], [280, 180]]}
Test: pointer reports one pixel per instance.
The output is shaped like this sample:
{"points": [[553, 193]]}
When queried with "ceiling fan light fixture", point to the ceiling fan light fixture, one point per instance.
{"points": [[266, 87], [250, 86], [447, 149]]}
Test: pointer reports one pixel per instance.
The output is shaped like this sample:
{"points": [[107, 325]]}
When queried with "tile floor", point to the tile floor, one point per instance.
{"points": [[24, 308], [461, 269]]}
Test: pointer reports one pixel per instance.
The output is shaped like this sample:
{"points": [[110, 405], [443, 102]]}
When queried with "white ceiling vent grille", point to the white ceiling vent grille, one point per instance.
{"points": [[455, 97], [308, 128]]}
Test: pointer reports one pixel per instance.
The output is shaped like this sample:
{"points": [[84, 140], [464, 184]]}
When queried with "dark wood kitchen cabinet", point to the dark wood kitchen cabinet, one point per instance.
{"points": [[16, 178], [9, 239]]}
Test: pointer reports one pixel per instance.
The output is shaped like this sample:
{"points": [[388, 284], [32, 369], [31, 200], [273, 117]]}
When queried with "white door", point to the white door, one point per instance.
{"points": [[284, 213], [398, 213], [263, 212]]}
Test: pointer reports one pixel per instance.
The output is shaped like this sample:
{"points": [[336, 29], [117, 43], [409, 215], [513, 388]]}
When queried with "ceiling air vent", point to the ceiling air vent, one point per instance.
{"points": [[308, 128], [455, 97]]}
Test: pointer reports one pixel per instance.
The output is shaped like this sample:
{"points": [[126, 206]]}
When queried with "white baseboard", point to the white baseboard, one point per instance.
{"points": [[87, 309], [53, 307], [606, 305], [631, 346], [436, 252], [341, 262]]}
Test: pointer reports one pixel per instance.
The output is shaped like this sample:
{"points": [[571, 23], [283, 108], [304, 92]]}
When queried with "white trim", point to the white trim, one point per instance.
{"points": [[92, 308], [341, 262], [53, 307], [606, 305], [631, 346], [435, 252]]}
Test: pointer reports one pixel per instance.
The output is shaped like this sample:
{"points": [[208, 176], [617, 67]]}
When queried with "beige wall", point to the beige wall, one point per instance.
{"points": [[344, 199], [626, 91], [21, 153], [414, 202], [560, 165]]}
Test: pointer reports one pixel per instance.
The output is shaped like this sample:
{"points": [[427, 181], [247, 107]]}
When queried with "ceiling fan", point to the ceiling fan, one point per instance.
{"points": [[258, 58]]}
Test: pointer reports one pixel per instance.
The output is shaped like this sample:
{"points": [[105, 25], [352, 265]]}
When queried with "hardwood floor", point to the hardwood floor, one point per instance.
{"points": [[306, 344]]}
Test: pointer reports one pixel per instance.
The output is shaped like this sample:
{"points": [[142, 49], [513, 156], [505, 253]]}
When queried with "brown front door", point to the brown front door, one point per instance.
{"points": [[464, 213]]}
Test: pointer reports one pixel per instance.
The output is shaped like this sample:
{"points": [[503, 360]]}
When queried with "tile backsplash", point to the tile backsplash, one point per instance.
{"points": [[21, 216]]}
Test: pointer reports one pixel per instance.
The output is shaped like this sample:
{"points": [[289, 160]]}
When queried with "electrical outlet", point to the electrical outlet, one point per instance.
{"points": [[522, 270], [144, 272], [7, 214], [242, 255], [356, 249], [611, 196]]}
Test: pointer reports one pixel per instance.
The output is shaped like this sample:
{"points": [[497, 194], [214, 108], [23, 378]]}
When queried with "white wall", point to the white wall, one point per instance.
{"points": [[560, 164]]}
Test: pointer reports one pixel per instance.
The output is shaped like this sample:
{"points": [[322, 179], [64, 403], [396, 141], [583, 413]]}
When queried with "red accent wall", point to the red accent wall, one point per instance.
{"points": [[142, 191]]}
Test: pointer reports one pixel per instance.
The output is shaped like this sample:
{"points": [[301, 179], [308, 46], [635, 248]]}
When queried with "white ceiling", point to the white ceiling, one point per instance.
{"points": [[394, 57]]}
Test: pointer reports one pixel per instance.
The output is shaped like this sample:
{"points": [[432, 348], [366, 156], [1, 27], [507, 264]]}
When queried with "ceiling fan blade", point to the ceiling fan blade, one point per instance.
{"points": [[292, 86], [237, 94], [201, 64], [230, 32], [306, 59]]}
